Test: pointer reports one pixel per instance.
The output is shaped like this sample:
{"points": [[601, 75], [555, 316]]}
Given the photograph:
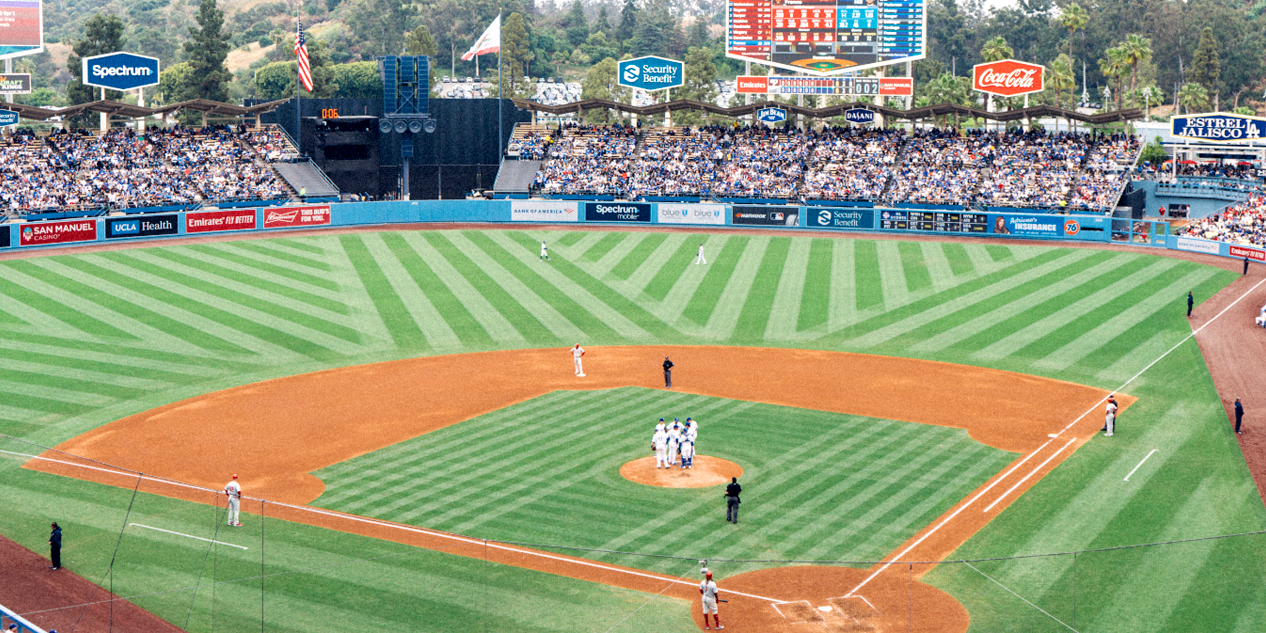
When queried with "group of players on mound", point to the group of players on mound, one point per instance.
{"points": [[671, 439]]}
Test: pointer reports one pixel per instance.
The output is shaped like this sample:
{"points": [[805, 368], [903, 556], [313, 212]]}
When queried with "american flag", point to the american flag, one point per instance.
{"points": [[301, 51]]}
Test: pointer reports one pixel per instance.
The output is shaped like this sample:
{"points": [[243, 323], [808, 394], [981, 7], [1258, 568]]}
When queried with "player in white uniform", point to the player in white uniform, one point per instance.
{"points": [[687, 453], [576, 353], [674, 442], [1110, 417], [234, 492], [692, 429], [544, 251], [659, 442], [710, 597], [699, 258]]}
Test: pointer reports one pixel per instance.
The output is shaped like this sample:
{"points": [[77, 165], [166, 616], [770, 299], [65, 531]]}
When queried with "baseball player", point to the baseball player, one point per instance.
{"points": [[576, 353], [699, 258], [687, 453], [544, 252], [1110, 417], [234, 492], [659, 444], [710, 597], [661, 426], [674, 442], [692, 430]]}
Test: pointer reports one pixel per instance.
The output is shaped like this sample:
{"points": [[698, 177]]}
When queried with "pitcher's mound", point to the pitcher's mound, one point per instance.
{"points": [[707, 471]]}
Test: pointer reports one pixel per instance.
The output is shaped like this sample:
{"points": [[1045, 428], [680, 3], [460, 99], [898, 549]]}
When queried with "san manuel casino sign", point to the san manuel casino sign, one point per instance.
{"points": [[1219, 126]]}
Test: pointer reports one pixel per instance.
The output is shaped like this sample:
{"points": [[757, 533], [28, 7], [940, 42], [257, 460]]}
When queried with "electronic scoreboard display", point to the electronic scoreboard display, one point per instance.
{"points": [[825, 36], [936, 221]]}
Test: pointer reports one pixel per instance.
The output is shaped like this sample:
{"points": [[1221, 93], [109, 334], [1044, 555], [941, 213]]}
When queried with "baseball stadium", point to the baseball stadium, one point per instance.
{"points": [[269, 365]]}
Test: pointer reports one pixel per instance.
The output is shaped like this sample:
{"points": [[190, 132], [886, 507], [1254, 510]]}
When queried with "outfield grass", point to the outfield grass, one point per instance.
{"points": [[89, 338], [819, 486]]}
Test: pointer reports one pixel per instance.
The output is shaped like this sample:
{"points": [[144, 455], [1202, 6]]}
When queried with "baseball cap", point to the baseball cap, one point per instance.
{"points": [[709, 574], [235, 475]]}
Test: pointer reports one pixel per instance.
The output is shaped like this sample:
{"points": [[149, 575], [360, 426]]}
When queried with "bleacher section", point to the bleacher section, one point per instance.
{"points": [[307, 179], [516, 176]]}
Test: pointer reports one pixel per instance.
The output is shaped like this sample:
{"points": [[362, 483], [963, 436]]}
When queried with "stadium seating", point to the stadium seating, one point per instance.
{"points": [[1242, 223]]}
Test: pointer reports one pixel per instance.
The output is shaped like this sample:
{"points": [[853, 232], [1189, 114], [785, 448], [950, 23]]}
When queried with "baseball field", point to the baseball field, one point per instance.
{"points": [[404, 404]]}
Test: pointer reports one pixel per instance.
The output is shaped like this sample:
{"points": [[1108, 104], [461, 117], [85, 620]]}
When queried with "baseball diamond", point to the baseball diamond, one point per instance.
{"points": [[415, 445]]}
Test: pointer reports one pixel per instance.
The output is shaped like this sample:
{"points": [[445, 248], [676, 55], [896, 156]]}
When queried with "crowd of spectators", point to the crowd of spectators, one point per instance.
{"points": [[1242, 223], [124, 168], [532, 146], [852, 163]]}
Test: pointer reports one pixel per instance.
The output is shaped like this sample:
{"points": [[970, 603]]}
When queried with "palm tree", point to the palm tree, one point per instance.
{"points": [[1193, 96], [1074, 18], [1135, 49], [996, 49], [1060, 76], [1114, 66]]}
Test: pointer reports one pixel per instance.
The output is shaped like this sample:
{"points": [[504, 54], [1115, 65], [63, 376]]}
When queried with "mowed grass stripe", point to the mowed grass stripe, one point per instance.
{"points": [[647, 243], [754, 318], [571, 238], [870, 289], [63, 382], [227, 253], [704, 300], [959, 262], [454, 312], [138, 313], [672, 268], [307, 245], [255, 277], [523, 321], [603, 246], [815, 296], [593, 327], [913, 266], [395, 316], [72, 366], [266, 249], [56, 310], [623, 305], [83, 348]]}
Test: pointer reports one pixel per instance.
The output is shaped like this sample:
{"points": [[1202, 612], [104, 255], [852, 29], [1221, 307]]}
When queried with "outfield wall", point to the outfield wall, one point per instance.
{"points": [[906, 219]]}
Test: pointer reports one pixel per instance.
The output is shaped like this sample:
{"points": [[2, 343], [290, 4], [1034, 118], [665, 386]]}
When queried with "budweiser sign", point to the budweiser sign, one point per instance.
{"points": [[1009, 78]]}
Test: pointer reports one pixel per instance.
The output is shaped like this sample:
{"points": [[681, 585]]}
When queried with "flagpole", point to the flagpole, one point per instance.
{"points": [[501, 97], [298, 83]]}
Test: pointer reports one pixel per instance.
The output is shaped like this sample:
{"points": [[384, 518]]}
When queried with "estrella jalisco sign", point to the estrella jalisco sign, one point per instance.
{"points": [[1219, 126], [120, 71], [651, 73]]}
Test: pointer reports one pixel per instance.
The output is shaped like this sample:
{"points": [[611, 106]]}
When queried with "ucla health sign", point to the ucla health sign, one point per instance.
{"points": [[1219, 127], [120, 71], [651, 73]]}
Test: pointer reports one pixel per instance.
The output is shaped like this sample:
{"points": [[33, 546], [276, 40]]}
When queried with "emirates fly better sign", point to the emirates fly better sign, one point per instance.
{"points": [[1008, 78]]}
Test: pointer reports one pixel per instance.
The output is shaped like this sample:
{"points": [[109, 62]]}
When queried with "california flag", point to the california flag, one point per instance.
{"points": [[489, 42]]}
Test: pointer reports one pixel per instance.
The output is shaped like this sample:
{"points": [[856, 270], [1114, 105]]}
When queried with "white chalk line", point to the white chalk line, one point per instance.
{"points": [[1026, 477], [405, 528], [1149, 456], [1020, 597], [150, 527]]}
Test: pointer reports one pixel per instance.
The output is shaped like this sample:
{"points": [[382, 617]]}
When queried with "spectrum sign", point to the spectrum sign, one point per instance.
{"points": [[120, 71]]}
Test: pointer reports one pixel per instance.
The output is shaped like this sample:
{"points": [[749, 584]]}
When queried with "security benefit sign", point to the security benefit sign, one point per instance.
{"points": [[15, 83], [651, 73], [142, 226], [841, 218], [8, 117], [40, 233], [119, 71], [296, 217], [1219, 127], [766, 216], [617, 212]]}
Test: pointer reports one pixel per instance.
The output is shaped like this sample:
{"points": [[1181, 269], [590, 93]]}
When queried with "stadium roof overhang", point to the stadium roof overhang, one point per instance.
{"points": [[832, 111], [127, 110]]}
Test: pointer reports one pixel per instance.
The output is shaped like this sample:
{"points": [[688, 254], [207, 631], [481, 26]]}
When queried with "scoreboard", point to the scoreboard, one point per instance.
{"points": [[939, 221], [825, 37]]}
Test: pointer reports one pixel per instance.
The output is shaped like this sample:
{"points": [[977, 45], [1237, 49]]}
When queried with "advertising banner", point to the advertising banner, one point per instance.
{"points": [[617, 212], [1255, 254], [766, 216], [143, 226], [1197, 246], [4, 236], [772, 115], [651, 73], [1051, 226], [673, 213], [1219, 127], [859, 115], [544, 211], [1008, 78], [841, 218], [21, 28], [58, 232], [15, 83], [8, 117], [120, 71], [896, 86], [231, 220], [290, 217]]}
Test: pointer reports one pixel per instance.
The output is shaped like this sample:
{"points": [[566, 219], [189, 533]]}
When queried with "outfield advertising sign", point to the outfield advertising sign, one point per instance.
{"points": [[1197, 245], [119, 71], [651, 73], [21, 27], [143, 226], [766, 216], [1035, 226], [15, 83], [231, 220], [544, 211], [859, 115], [617, 212], [296, 217], [674, 213], [840, 218], [1255, 254], [41, 233], [8, 117], [1219, 127]]}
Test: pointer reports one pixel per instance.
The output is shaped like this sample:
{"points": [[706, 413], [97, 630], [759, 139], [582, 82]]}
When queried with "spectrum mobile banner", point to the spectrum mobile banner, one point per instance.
{"points": [[231, 220], [58, 232], [617, 212], [289, 217], [144, 226], [674, 213]]}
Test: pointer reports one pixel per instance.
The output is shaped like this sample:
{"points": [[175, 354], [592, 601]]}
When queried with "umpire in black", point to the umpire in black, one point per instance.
{"points": [[55, 547], [668, 373], [732, 500]]}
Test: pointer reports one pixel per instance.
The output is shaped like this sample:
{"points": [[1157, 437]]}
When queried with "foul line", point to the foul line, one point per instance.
{"points": [[150, 527], [1026, 477], [1149, 456], [1022, 598]]}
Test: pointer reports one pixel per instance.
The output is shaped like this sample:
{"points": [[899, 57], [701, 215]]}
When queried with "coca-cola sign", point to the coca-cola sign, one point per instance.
{"points": [[1009, 78]]}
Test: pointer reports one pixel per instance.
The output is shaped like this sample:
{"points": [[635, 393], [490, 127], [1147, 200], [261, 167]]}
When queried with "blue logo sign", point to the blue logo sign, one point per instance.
{"points": [[772, 115], [1220, 127], [8, 117], [120, 71], [651, 73], [859, 115]]}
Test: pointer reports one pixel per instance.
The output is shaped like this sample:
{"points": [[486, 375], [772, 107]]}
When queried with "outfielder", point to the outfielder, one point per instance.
{"points": [[674, 441], [544, 252], [1110, 417], [659, 444], [234, 492], [710, 597], [699, 258], [576, 353]]}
